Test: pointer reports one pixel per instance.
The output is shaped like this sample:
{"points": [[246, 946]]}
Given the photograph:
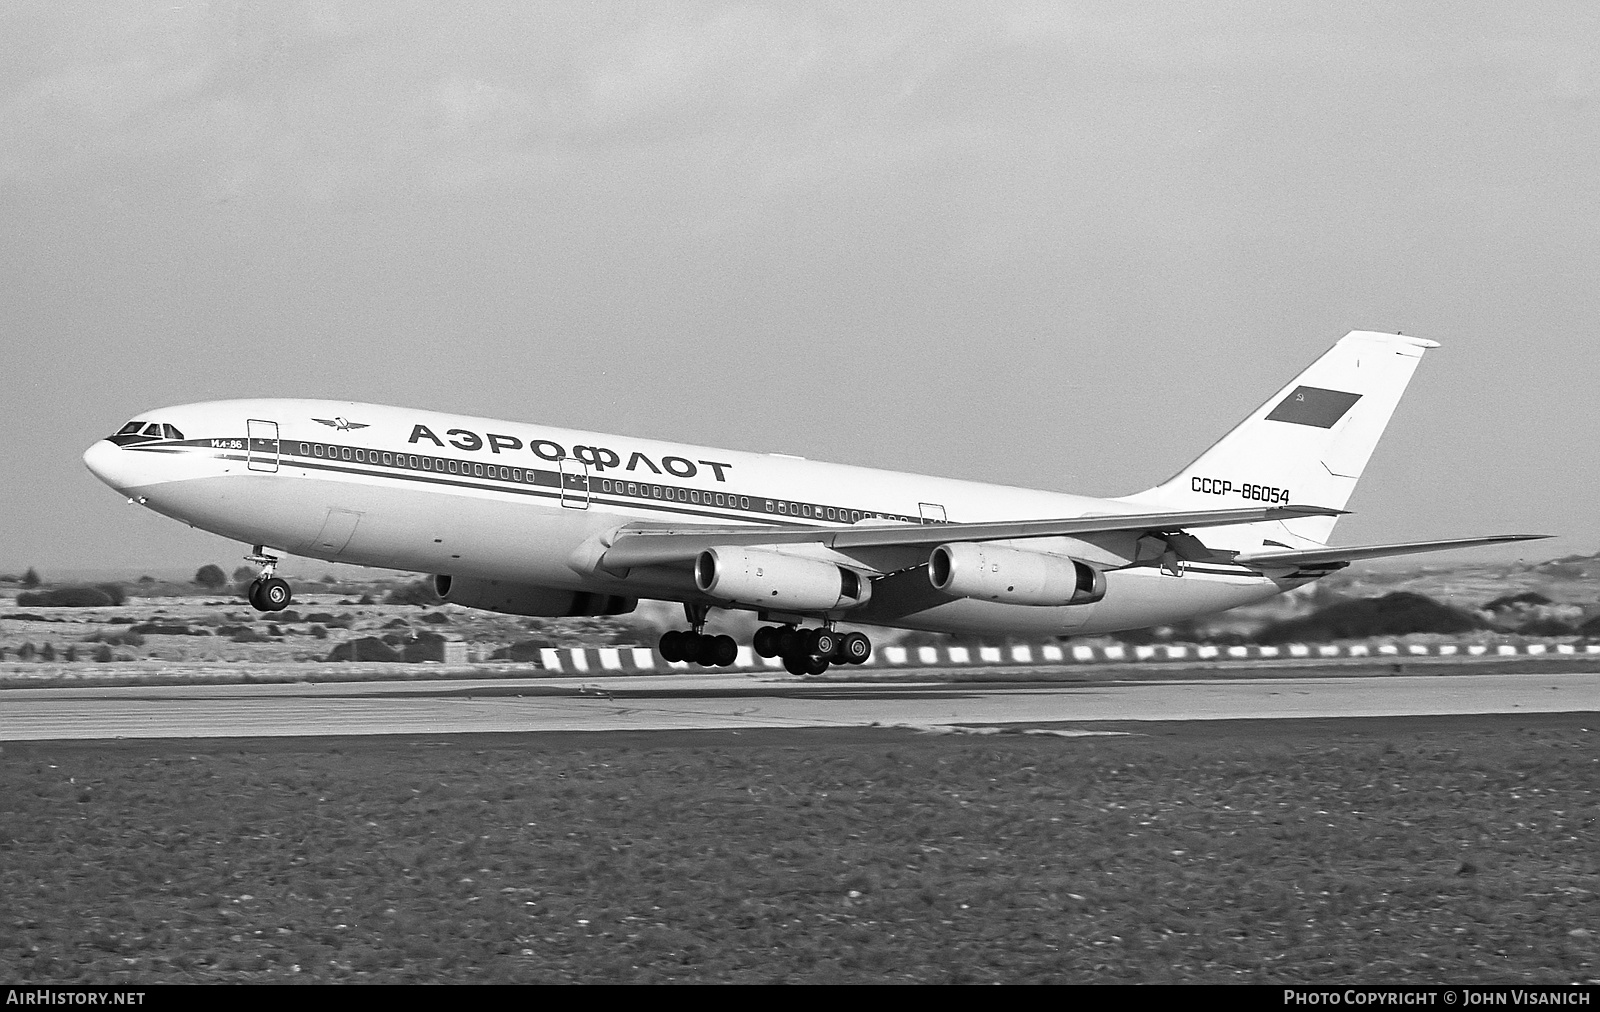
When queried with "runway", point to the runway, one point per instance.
{"points": [[751, 700]]}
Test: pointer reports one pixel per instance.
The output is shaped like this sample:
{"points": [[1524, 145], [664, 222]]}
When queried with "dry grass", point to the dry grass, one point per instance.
{"points": [[1460, 849]]}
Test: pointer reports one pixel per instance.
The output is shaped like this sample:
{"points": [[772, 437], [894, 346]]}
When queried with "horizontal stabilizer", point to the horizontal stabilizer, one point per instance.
{"points": [[1325, 556], [649, 545]]}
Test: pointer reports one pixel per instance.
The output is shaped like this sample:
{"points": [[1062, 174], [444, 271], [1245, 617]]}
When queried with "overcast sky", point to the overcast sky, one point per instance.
{"points": [[1063, 245]]}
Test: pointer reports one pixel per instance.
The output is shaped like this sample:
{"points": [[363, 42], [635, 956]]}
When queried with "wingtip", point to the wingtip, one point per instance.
{"points": [[1396, 338]]}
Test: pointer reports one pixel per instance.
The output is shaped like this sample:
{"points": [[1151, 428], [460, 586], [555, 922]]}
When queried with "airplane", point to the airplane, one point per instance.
{"points": [[527, 519]]}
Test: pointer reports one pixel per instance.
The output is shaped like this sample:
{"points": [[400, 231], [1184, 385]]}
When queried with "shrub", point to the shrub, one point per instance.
{"points": [[211, 577], [66, 597], [368, 648], [113, 591], [1526, 599], [102, 654], [330, 620], [30, 579], [1546, 626], [424, 646], [418, 592], [524, 650], [1391, 615]]}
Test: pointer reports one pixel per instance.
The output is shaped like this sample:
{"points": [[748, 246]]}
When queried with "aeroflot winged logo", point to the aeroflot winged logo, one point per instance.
{"points": [[341, 423]]}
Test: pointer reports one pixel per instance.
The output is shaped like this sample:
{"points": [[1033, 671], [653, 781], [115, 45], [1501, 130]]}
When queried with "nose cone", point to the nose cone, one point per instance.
{"points": [[109, 462]]}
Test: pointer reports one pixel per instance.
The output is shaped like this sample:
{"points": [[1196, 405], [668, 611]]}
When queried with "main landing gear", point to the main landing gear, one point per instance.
{"points": [[267, 592], [804, 651], [694, 646], [810, 651]]}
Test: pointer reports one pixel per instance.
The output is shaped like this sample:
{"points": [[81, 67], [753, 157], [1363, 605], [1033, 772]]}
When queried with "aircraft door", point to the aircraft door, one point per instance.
{"points": [[261, 445], [931, 512], [574, 483], [336, 532]]}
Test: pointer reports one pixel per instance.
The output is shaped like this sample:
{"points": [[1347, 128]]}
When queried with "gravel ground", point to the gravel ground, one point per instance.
{"points": [[1419, 850]]}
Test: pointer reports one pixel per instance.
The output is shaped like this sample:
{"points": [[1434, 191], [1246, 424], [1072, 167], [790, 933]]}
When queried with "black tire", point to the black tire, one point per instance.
{"points": [[823, 643], [816, 665], [789, 641], [795, 664], [671, 646], [254, 596], [689, 646], [706, 651], [765, 643], [856, 648], [724, 651], [275, 594]]}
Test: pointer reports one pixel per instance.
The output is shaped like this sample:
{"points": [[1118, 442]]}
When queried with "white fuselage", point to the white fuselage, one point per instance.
{"points": [[406, 489]]}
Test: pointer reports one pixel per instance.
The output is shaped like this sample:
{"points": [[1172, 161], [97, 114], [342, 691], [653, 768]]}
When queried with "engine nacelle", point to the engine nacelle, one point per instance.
{"points": [[775, 582], [1014, 576], [526, 599]]}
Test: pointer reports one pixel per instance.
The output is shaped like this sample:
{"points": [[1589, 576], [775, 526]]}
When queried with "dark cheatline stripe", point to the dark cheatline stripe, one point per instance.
{"points": [[1313, 406]]}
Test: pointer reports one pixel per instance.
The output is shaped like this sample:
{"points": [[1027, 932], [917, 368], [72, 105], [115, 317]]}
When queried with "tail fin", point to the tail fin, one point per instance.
{"points": [[1309, 442]]}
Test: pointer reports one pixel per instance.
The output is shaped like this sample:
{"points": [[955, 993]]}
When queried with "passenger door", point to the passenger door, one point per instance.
{"points": [[574, 483], [261, 445]]}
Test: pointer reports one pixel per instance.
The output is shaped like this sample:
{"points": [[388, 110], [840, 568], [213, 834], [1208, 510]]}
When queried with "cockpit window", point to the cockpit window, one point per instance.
{"points": [[153, 429], [170, 431], [130, 428]]}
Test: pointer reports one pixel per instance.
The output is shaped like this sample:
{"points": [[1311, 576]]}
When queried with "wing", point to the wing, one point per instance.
{"points": [[649, 545], [1325, 556]]}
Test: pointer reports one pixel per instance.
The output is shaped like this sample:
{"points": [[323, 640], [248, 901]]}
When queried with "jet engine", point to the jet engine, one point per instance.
{"points": [[1013, 576], [772, 581], [526, 599]]}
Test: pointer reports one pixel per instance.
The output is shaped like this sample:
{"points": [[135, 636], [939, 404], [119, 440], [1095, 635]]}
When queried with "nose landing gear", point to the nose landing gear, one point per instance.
{"points": [[267, 592]]}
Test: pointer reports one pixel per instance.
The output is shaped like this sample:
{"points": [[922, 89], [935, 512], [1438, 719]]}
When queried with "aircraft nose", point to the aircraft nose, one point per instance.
{"points": [[109, 462]]}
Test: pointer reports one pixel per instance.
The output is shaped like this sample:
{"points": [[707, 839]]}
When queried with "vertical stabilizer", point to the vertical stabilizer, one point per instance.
{"points": [[1309, 442]]}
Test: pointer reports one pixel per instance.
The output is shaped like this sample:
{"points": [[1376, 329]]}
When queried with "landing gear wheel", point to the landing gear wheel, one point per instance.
{"points": [[706, 651], [671, 646], [788, 641], [766, 641], [824, 643], [724, 650], [856, 648], [273, 595], [796, 664], [816, 665], [253, 594]]}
